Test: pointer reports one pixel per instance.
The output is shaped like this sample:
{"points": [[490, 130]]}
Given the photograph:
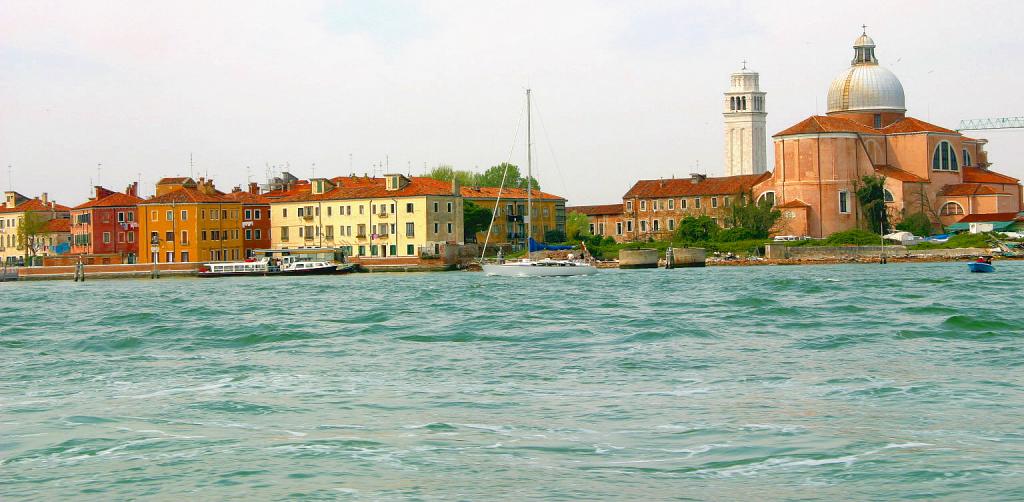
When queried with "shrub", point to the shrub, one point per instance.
{"points": [[554, 236], [735, 234], [696, 229], [917, 224]]}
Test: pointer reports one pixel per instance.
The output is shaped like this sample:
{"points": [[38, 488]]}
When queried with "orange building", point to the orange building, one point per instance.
{"points": [[255, 218], [605, 219], [189, 221]]}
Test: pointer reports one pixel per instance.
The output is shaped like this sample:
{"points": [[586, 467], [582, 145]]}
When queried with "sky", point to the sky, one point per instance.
{"points": [[113, 92]]}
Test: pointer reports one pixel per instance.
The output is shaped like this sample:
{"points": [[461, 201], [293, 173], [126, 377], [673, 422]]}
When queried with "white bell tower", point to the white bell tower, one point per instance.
{"points": [[745, 114]]}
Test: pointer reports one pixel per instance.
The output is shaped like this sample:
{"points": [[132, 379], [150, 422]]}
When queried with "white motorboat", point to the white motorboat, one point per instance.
{"points": [[286, 265]]}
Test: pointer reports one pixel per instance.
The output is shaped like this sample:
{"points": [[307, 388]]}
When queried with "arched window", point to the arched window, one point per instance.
{"points": [[743, 103], [767, 196], [889, 197], [967, 157], [951, 209], [944, 158]]}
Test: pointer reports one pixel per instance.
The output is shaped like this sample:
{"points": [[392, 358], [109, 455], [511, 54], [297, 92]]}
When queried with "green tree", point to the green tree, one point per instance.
{"points": [[696, 229], [513, 179], [577, 227], [755, 219], [475, 219], [871, 195], [554, 236], [445, 172], [917, 224], [31, 232]]}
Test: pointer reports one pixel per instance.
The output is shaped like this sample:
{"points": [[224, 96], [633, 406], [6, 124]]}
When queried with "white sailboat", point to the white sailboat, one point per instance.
{"points": [[528, 267]]}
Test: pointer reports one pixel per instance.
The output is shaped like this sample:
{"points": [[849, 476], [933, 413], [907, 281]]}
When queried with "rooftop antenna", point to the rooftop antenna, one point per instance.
{"points": [[190, 166], [408, 168], [350, 163], [248, 175], [99, 169], [314, 170], [387, 163], [10, 178]]}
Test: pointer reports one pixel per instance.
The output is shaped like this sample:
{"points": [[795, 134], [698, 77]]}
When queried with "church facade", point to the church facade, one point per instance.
{"points": [[929, 169], [821, 161]]}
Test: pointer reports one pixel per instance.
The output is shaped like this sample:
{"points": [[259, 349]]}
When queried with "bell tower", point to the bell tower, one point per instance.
{"points": [[745, 125]]}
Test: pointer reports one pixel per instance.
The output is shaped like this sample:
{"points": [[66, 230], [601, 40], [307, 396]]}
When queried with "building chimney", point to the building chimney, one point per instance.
{"points": [[456, 187], [254, 188], [45, 199], [133, 189], [10, 199], [696, 178]]}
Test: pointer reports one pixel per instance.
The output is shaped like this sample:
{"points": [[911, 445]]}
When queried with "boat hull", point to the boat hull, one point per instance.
{"points": [[536, 270], [980, 268], [341, 269]]}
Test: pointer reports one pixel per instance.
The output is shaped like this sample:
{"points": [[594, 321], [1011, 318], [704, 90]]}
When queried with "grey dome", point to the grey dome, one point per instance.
{"points": [[865, 85]]}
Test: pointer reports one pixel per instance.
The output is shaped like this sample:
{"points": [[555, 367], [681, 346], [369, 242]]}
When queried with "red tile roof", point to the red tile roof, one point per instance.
{"points": [[794, 204], [506, 193], [962, 189], [979, 175], [299, 187], [34, 205], [116, 199], [58, 225], [356, 188], [186, 195], [912, 125], [899, 174], [248, 198], [602, 209], [824, 124], [991, 217], [683, 187], [173, 181]]}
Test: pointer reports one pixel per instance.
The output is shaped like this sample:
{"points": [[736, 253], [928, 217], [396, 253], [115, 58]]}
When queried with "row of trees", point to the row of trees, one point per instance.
{"points": [[491, 177]]}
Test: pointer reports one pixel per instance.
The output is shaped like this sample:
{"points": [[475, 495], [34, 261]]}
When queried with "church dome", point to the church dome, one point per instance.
{"points": [[866, 86]]}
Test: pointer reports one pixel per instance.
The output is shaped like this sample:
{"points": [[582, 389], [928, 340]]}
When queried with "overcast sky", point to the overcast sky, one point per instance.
{"points": [[624, 90]]}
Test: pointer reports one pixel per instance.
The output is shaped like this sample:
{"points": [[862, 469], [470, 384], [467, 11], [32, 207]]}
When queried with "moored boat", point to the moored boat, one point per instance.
{"points": [[287, 265]]}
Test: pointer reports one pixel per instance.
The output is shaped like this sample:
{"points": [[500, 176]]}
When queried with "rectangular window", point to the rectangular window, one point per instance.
{"points": [[284, 212], [696, 202], [618, 228], [449, 228], [714, 202], [643, 205], [844, 202], [408, 207], [170, 215], [449, 207], [657, 225], [643, 225], [224, 214], [328, 210], [120, 216], [600, 229], [106, 237], [592, 229], [436, 205], [360, 209], [671, 204], [248, 214], [284, 233], [437, 227], [727, 201], [682, 203], [202, 235], [629, 206], [361, 229], [329, 230], [131, 236], [373, 250], [309, 232], [184, 215], [184, 256], [214, 214], [258, 234], [169, 236], [410, 250], [248, 234], [170, 257], [629, 225], [410, 229], [152, 216], [215, 235], [671, 224], [184, 237], [362, 250], [257, 214]]}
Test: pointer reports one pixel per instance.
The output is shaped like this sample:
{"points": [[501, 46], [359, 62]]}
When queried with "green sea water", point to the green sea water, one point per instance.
{"points": [[861, 382]]}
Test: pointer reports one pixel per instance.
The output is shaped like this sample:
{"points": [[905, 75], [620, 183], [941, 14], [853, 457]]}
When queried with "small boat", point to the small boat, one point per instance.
{"points": [[545, 267], [287, 265], [528, 267], [982, 265]]}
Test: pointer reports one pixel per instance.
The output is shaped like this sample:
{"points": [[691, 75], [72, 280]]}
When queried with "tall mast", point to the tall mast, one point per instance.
{"points": [[529, 177]]}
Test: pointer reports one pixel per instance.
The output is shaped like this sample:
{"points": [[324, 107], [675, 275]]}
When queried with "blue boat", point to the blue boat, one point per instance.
{"points": [[980, 267]]}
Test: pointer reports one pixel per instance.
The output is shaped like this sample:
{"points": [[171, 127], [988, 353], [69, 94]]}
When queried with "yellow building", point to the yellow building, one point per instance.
{"points": [[369, 217], [47, 242], [509, 221], [189, 221]]}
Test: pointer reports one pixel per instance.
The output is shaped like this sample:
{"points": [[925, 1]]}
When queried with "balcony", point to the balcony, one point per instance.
{"points": [[515, 218], [307, 216], [382, 215], [308, 237]]}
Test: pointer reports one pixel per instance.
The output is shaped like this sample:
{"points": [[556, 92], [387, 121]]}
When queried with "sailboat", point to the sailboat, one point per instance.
{"points": [[528, 267]]}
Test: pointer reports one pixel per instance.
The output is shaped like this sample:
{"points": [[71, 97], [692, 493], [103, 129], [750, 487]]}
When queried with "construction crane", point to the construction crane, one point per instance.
{"points": [[991, 123]]}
